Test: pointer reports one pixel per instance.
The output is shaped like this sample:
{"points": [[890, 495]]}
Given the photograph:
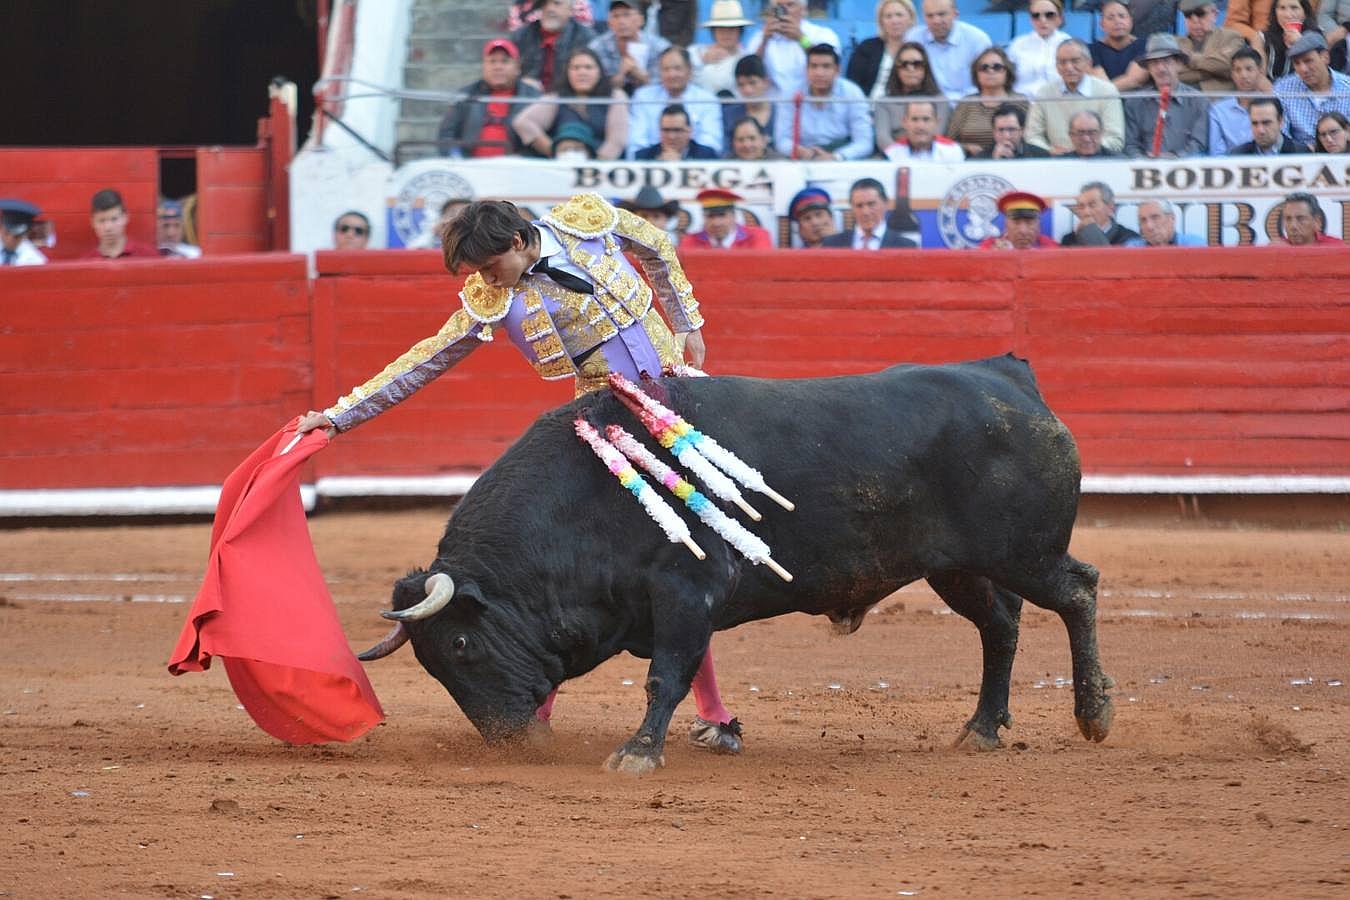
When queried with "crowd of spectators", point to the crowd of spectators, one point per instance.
{"points": [[928, 85]]}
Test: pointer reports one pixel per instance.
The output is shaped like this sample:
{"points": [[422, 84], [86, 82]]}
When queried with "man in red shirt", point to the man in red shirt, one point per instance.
{"points": [[108, 216], [480, 124], [1021, 223], [720, 229], [1303, 222]]}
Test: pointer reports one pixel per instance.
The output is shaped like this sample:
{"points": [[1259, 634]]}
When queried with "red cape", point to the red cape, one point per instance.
{"points": [[264, 608]]}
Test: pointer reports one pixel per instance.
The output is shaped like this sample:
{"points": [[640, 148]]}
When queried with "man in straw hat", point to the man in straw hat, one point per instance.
{"points": [[715, 63], [720, 228], [1021, 223], [1175, 123]]}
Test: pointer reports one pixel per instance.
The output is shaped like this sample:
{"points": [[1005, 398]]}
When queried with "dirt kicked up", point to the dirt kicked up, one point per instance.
{"points": [[1225, 774]]}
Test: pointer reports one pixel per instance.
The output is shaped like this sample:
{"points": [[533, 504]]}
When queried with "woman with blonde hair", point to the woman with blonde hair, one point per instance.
{"points": [[873, 59], [972, 124], [911, 78], [1034, 52]]}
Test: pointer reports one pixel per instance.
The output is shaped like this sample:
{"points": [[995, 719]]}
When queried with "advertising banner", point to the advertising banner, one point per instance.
{"points": [[1226, 201]]}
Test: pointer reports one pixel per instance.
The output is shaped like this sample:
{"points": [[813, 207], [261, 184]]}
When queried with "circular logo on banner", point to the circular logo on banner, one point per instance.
{"points": [[418, 203], [967, 213]]}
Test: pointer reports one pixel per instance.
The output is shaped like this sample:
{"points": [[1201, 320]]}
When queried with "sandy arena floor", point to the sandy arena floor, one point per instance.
{"points": [[1225, 774]]}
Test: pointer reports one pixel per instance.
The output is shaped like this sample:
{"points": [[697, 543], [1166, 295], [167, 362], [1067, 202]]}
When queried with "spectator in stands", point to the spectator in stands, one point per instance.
{"points": [[539, 124], [170, 232], [833, 122], [547, 42], [911, 76], [676, 141], [1021, 224], [867, 199], [782, 43], [675, 20], [705, 114], [1333, 134], [628, 55], [750, 142], [16, 220], [351, 231], [1158, 226], [1153, 17], [1010, 121], [650, 205], [1097, 225], [972, 122], [523, 12], [720, 229], [1290, 20], [1114, 54], [1333, 20], [108, 216], [1248, 18], [952, 46], [1268, 136], [481, 124], [430, 236], [574, 142], [1033, 53], [921, 140], [753, 98], [1303, 223], [1085, 136], [1075, 90], [1185, 127], [870, 64], [1312, 89], [715, 63], [1230, 125], [810, 209], [1209, 47]]}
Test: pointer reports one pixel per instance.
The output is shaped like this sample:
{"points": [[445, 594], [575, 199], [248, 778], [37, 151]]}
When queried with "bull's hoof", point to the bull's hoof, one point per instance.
{"points": [[1095, 728], [970, 739], [633, 763], [723, 738]]}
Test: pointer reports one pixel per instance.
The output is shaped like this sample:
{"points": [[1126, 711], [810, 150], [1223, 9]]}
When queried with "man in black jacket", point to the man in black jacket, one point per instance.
{"points": [[1268, 137], [867, 199], [1097, 225], [480, 124], [546, 43], [1010, 122]]}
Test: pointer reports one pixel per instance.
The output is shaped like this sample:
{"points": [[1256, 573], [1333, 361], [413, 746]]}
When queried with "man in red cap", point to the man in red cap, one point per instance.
{"points": [[1021, 223], [480, 124], [720, 228]]}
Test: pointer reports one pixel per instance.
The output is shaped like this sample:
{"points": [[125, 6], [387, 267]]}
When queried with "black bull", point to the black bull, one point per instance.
{"points": [[959, 474]]}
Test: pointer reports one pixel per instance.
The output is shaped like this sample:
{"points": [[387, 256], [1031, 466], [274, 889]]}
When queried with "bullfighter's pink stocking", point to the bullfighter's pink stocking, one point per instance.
{"points": [[706, 698]]}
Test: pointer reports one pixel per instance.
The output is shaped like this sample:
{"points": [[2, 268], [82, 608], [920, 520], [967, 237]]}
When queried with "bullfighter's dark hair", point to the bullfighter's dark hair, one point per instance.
{"points": [[864, 183], [105, 200], [483, 230]]}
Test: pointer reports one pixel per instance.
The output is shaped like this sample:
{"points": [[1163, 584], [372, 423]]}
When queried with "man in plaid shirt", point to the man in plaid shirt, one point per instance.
{"points": [[1313, 89]]}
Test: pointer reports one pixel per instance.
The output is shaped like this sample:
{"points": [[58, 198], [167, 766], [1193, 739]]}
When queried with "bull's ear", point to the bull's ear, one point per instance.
{"points": [[469, 595]]}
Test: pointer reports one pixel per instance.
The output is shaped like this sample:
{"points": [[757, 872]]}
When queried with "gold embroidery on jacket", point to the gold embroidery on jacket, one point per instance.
{"points": [[485, 303], [456, 327], [585, 216]]}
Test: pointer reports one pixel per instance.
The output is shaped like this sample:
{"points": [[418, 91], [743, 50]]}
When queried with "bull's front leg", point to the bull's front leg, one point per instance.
{"points": [[675, 659]]}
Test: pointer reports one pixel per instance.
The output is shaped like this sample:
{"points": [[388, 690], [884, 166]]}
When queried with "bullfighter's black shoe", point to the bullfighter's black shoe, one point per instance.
{"points": [[716, 737]]}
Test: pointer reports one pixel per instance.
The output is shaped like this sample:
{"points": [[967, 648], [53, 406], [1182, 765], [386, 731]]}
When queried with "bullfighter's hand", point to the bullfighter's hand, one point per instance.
{"points": [[694, 350], [313, 420]]}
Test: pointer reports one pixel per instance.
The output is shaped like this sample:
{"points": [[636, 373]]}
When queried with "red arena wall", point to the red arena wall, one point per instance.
{"points": [[1223, 361]]}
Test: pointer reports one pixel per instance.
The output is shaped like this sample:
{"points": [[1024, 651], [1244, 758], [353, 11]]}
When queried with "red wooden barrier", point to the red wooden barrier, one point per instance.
{"points": [[1223, 361]]}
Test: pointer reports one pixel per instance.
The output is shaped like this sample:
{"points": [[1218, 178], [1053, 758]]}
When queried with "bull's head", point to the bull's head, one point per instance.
{"points": [[476, 650]]}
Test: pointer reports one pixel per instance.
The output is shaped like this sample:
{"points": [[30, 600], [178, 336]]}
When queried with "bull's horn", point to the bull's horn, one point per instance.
{"points": [[439, 587], [397, 637]]}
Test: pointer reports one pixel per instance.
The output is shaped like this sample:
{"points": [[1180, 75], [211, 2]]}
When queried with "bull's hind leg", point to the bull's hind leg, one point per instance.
{"points": [[1070, 589], [996, 613]]}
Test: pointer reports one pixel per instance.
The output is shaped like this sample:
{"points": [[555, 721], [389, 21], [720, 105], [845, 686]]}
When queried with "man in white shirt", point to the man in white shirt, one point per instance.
{"points": [[783, 41], [833, 121], [1071, 93], [952, 46], [921, 140], [644, 116]]}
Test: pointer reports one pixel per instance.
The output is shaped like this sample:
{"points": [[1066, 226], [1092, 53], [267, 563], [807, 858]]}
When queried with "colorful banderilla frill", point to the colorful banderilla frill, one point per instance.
{"points": [[677, 435], [733, 532], [677, 531]]}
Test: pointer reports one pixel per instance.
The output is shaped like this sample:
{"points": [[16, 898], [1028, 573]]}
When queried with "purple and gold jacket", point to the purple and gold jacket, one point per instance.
{"points": [[562, 333]]}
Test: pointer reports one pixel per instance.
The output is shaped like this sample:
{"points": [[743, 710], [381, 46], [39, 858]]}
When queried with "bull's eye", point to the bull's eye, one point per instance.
{"points": [[460, 642]]}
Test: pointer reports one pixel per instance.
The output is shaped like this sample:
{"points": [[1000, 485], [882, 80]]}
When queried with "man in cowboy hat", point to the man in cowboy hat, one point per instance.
{"points": [[16, 218], [1021, 223], [1185, 123], [649, 205], [720, 228]]}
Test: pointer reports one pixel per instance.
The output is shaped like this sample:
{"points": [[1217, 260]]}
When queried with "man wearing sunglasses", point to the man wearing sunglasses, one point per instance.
{"points": [[1210, 47], [351, 231]]}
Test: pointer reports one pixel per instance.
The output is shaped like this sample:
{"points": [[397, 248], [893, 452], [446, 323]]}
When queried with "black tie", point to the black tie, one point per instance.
{"points": [[565, 279]]}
